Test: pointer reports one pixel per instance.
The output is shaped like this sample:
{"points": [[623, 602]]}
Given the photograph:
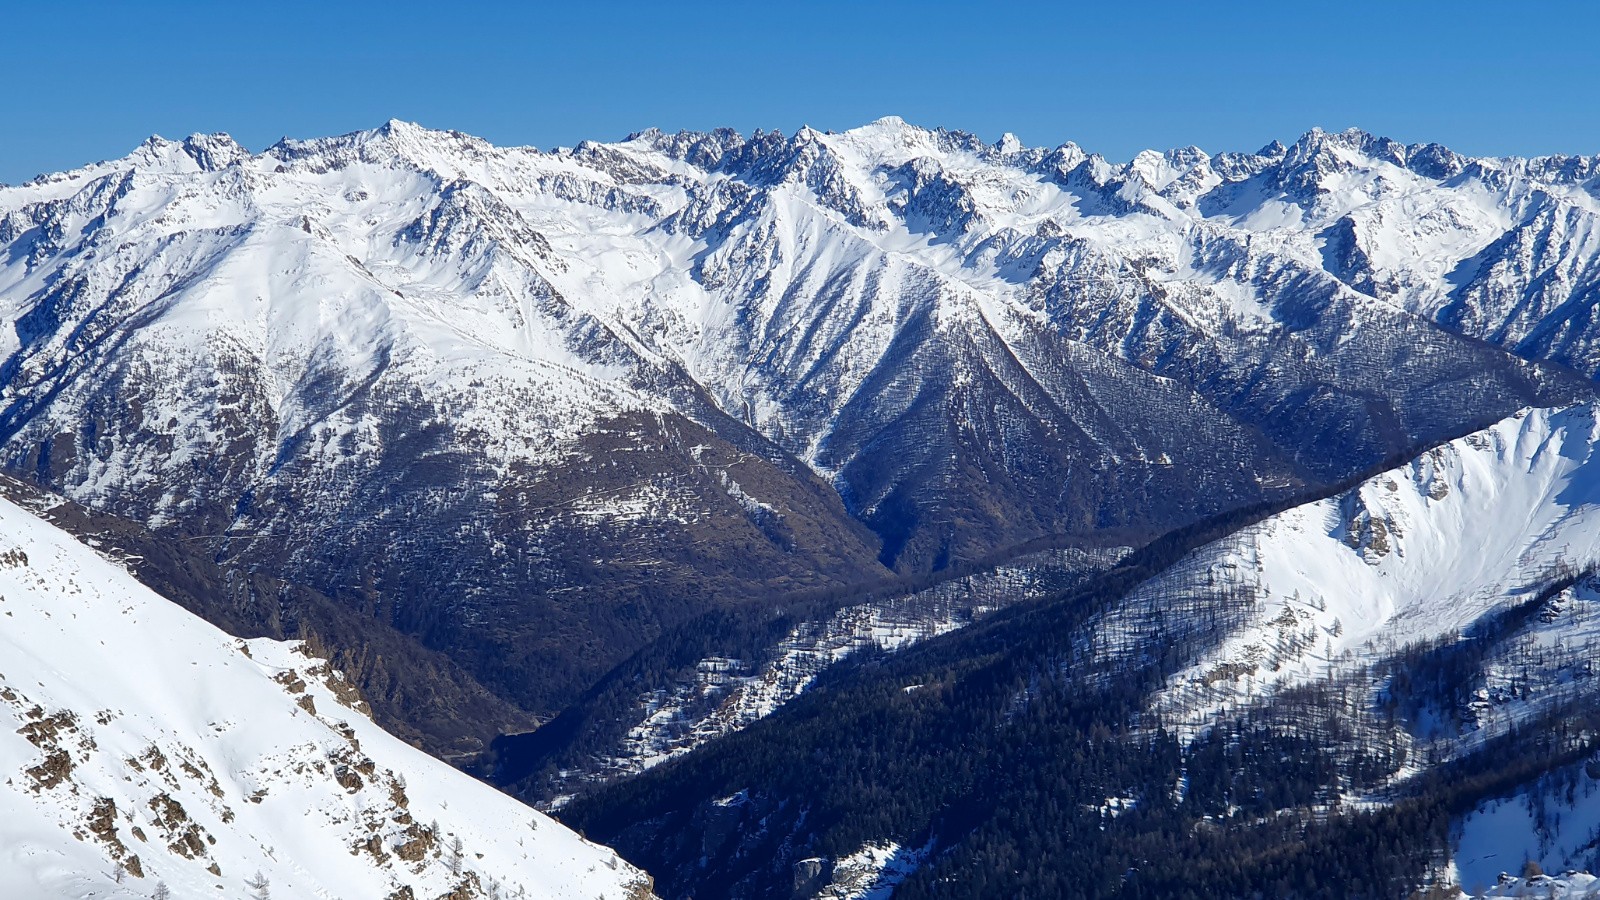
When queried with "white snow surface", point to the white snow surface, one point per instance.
{"points": [[1566, 886], [137, 731], [873, 872], [1554, 822]]}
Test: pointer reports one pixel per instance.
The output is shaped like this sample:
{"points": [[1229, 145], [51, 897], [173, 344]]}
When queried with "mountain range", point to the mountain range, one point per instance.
{"points": [[593, 468]]}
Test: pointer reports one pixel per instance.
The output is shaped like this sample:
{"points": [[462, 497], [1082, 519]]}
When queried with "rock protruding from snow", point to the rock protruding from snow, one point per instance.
{"points": [[146, 747]]}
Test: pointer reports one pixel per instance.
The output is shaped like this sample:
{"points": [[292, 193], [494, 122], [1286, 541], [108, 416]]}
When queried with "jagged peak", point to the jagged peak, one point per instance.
{"points": [[1159, 170], [1180, 157], [1319, 149], [197, 152], [705, 149], [807, 136], [396, 139], [888, 127], [400, 126], [647, 136], [892, 140], [1318, 141], [1064, 158], [1434, 161], [214, 151], [1317, 154]]}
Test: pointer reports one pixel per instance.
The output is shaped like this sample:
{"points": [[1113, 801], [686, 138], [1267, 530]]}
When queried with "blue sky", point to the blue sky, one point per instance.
{"points": [[88, 81]]}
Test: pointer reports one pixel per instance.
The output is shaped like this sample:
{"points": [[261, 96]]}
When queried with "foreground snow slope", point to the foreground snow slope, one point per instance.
{"points": [[145, 744]]}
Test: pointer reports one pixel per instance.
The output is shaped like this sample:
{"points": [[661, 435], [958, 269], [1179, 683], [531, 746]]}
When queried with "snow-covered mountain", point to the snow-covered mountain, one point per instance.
{"points": [[1419, 644], [1467, 530], [429, 376], [146, 747], [1444, 608]]}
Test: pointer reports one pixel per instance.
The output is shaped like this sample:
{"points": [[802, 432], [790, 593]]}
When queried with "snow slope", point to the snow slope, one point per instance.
{"points": [[1417, 553], [1482, 549], [146, 746], [1566, 886]]}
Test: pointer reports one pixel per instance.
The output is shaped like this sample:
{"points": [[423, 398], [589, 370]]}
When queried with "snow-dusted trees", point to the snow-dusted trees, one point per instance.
{"points": [[260, 887]]}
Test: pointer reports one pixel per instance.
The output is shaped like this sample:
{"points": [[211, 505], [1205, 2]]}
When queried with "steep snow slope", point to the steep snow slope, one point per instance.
{"points": [[146, 746], [1424, 551]]}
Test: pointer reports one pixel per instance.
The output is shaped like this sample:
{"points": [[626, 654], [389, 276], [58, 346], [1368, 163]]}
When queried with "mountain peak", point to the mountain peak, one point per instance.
{"points": [[396, 140], [1354, 140], [214, 151], [400, 129], [205, 152], [888, 128]]}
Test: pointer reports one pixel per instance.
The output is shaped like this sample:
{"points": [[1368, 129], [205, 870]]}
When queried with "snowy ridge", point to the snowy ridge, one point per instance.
{"points": [[1418, 553], [146, 746], [1566, 886]]}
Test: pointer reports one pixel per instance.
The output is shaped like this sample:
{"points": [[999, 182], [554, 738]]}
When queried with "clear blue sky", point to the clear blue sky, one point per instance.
{"points": [[88, 81]]}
